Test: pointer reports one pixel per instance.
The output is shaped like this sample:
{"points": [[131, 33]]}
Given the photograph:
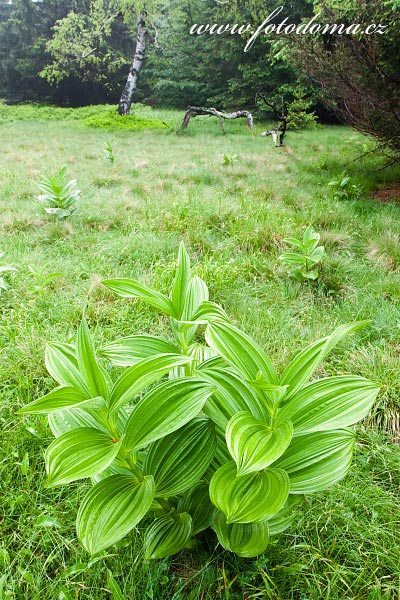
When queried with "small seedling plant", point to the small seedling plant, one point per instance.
{"points": [[109, 152], [58, 195], [344, 189], [197, 432], [305, 259], [228, 160], [42, 279], [4, 269]]}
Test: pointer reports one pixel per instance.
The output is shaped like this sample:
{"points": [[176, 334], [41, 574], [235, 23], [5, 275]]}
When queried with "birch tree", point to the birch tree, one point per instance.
{"points": [[82, 43]]}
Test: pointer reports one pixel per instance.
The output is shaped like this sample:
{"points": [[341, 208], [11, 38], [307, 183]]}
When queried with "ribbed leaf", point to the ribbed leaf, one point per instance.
{"points": [[197, 503], [209, 311], [87, 363], [111, 510], [253, 445], [301, 368], [232, 395], [165, 409], [178, 460], [130, 350], [249, 498], [142, 375], [60, 398], [79, 453], [197, 295], [128, 288], [180, 284], [330, 403], [241, 351], [62, 421], [285, 517], [167, 535], [246, 540], [62, 365], [317, 460]]}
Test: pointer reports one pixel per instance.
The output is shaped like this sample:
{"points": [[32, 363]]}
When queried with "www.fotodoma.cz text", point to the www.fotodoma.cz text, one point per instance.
{"points": [[311, 27]]}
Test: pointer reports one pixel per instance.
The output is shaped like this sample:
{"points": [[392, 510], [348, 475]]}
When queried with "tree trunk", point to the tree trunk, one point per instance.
{"points": [[130, 86]]}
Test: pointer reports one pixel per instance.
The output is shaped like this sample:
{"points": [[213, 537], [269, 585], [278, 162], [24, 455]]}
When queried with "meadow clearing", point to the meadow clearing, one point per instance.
{"points": [[163, 188]]}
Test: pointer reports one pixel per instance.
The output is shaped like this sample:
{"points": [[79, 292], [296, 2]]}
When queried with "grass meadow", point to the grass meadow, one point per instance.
{"points": [[163, 188]]}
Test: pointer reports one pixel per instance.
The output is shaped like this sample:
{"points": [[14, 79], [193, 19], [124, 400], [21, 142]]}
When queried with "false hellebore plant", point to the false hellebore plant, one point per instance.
{"points": [[195, 434]]}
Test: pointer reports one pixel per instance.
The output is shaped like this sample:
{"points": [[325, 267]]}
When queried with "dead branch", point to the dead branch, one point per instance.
{"points": [[194, 111]]}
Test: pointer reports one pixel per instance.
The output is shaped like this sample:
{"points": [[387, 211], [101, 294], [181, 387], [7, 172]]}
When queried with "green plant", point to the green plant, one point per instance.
{"points": [[4, 269], [229, 160], [224, 441], [304, 263], [42, 279], [343, 189], [109, 152], [61, 195]]}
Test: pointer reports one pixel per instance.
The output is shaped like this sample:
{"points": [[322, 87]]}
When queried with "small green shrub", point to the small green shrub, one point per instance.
{"points": [[304, 263], [195, 433], [112, 120], [109, 152], [61, 195], [343, 189], [229, 159], [42, 279]]}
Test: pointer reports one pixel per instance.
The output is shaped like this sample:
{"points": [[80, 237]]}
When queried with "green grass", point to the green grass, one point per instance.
{"points": [[163, 188]]}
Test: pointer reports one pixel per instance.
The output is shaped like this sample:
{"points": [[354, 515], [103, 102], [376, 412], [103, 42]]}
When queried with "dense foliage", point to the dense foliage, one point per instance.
{"points": [[225, 442]]}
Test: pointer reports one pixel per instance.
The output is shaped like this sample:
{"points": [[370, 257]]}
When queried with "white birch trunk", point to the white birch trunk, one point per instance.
{"points": [[131, 83]]}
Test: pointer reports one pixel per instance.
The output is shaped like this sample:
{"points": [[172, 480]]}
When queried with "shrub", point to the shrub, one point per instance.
{"points": [[344, 189], [303, 264], [195, 433], [61, 195]]}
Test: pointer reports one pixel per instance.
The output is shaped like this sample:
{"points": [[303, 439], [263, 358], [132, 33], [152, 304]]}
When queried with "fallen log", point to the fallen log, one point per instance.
{"points": [[194, 111]]}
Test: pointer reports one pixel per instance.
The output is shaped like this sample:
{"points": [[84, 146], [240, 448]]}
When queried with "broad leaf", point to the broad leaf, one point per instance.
{"points": [[130, 350], [91, 372], [247, 540], [111, 510], [197, 296], [232, 395], [62, 421], [301, 368], [330, 403], [167, 535], [165, 409], [180, 286], [60, 398], [250, 498], [128, 288], [78, 454], [209, 312], [197, 503], [178, 460], [142, 375], [239, 350], [253, 445], [317, 460], [285, 517], [62, 365]]}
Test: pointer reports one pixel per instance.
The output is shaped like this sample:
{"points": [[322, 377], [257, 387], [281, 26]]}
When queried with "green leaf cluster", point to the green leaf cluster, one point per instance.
{"points": [[197, 432], [304, 261], [60, 195]]}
